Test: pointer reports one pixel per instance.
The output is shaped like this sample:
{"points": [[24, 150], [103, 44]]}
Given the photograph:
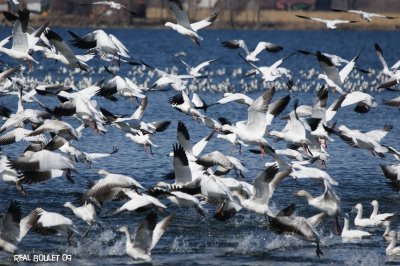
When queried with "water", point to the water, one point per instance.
{"points": [[243, 240]]}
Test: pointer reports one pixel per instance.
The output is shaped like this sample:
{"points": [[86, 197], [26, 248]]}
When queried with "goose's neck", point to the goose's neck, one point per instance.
{"points": [[346, 224], [308, 196], [359, 213], [387, 230], [393, 241], [128, 239], [375, 210]]}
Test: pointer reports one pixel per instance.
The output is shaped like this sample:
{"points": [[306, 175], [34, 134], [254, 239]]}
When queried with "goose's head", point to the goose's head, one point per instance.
{"points": [[68, 204], [122, 229], [392, 233], [103, 172], [301, 193], [169, 24], [374, 203], [357, 207]]}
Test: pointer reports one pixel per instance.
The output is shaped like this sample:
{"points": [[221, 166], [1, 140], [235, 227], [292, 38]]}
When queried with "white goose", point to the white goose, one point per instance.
{"points": [[101, 42], [183, 25], [86, 212], [53, 223], [330, 23], [364, 222], [252, 56], [13, 229], [378, 216], [148, 234], [347, 233], [252, 132], [64, 53], [392, 250]]}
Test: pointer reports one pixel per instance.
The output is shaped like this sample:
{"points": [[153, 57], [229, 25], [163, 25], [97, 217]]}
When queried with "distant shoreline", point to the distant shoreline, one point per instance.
{"points": [[263, 20]]}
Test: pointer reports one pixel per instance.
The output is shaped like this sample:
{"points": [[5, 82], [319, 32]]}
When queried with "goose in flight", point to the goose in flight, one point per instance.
{"points": [[51, 223], [112, 5], [23, 42], [183, 26], [252, 132], [109, 187], [195, 71], [328, 202], [270, 73], [287, 223], [148, 233], [364, 15], [252, 56], [13, 229], [100, 42], [330, 23], [64, 53], [392, 172], [386, 71]]}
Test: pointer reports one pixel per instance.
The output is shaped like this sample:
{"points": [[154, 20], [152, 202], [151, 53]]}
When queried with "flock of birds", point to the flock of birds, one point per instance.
{"points": [[197, 179]]}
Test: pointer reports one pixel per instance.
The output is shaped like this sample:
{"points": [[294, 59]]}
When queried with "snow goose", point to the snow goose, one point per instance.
{"points": [[101, 42], [109, 187], [301, 171], [22, 41], [142, 138], [43, 165], [386, 234], [199, 103], [183, 25], [347, 233], [182, 103], [378, 216], [50, 223], [60, 128], [363, 100], [252, 56], [385, 71], [369, 140], [59, 143], [148, 234], [10, 175], [86, 212], [392, 172], [64, 53], [286, 223], [195, 71], [112, 5], [328, 202], [364, 222], [180, 199], [364, 15], [394, 80], [329, 23], [252, 132], [19, 134], [294, 132], [225, 163], [138, 202], [263, 189], [270, 73], [120, 85], [236, 97], [13, 229], [331, 74], [392, 250]]}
